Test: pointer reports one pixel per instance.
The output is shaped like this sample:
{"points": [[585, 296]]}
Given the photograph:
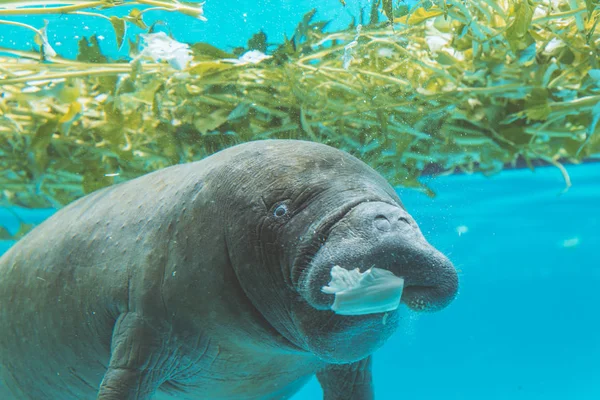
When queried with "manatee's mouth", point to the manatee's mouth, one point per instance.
{"points": [[311, 243], [373, 291], [397, 267]]}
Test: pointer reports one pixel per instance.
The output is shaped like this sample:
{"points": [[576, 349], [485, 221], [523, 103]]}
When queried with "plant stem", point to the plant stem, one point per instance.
{"points": [[52, 10]]}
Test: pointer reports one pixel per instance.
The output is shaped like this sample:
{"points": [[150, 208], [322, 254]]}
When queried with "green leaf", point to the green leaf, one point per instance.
{"points": [[211, 121], [240, 111], [203, 51], [285, 50], [43, 136], [517, 33], [595, 119], [22, 231], [374, 14], [303, 27], [537, 107], [136, 70], [591, 6], [95, 179], [258, 41], [119, 27], [167, 142], [113, 114], [5, 234], [147, 93], [157, 23], [74, 112], [306, 125], [38, 148], [401, 10], [205, 68], [388, 10], [89, 51], [418, 16], [135, 17], [446, 59]]}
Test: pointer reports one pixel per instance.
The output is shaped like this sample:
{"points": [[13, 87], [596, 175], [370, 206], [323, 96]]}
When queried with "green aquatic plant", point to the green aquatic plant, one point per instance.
{"points": [[461, 85], [12, 8]]}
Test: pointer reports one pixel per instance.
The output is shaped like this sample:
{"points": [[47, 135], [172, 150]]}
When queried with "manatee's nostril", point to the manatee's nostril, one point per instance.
{"points": [[404, 219], [382, 223]]}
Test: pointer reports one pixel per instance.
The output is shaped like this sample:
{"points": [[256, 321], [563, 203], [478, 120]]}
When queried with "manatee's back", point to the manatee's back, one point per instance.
{"points": [[51, 305], [63, 285]]}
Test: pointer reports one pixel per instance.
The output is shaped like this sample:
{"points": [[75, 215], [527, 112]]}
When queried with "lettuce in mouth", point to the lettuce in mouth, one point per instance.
{"points": [[359, 293]]}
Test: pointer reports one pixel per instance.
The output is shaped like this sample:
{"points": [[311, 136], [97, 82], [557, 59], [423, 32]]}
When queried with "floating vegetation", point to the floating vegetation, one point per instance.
{"points": [[463, 85]]}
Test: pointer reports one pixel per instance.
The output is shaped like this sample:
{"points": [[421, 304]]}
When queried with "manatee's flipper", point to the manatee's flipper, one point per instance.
{"points": [[347, 381], [139, 363]]}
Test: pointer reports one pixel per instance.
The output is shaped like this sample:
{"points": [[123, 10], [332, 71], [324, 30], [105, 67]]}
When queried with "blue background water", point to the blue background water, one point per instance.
{"points": [[525, 324], [229, 24]]}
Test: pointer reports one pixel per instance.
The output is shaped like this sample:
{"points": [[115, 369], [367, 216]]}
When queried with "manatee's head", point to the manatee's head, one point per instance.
{"points": [[397, 268], [330, 256]]}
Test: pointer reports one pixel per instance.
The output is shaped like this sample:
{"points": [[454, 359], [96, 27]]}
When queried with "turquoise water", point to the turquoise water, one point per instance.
{"points": [[525, 324], [229, 24]]}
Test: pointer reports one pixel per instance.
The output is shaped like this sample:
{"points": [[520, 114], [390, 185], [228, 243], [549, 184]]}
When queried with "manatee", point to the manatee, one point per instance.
{"points": [[239, 276]]}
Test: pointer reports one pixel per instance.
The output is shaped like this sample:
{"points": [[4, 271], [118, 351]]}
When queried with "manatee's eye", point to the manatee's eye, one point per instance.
{"points": [[280, 211]]}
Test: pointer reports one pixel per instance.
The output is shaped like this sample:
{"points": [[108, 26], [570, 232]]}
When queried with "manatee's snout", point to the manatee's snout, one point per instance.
{"points": [[430, 279], [377, 236]]}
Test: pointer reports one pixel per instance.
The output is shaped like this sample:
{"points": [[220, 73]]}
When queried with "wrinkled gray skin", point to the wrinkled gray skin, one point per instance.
{"points": [[188, 284]]}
